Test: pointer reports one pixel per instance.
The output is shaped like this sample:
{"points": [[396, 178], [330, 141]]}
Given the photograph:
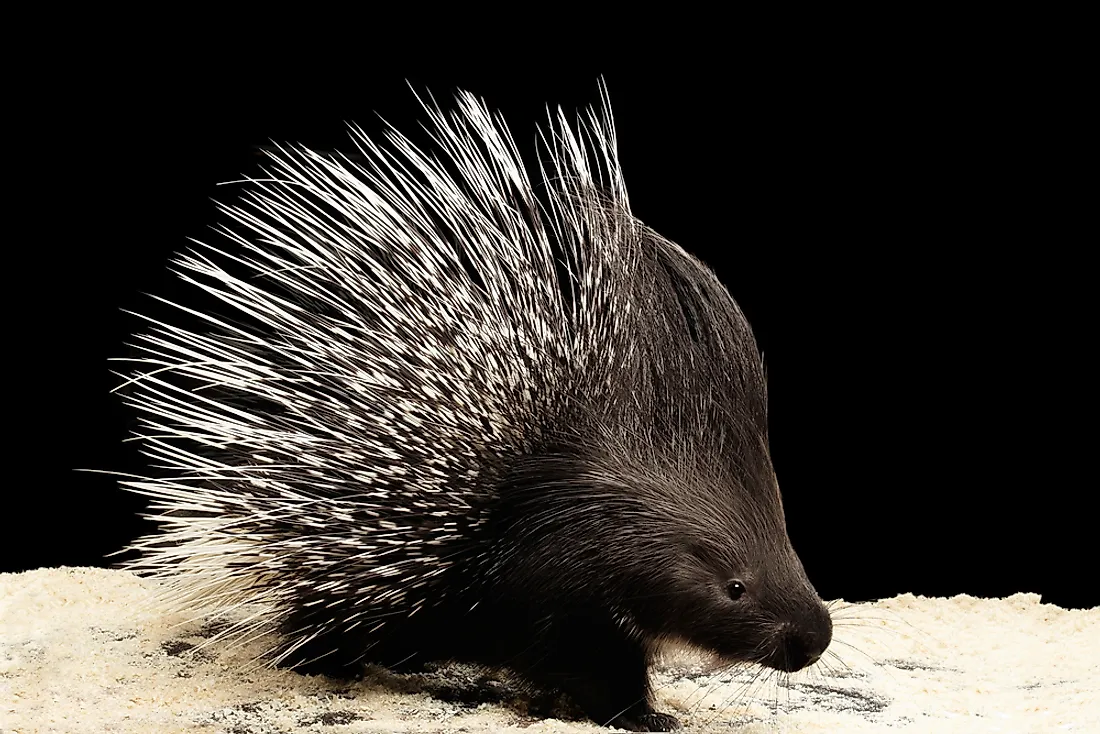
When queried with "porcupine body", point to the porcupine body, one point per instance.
{"points": [[445, 414]]}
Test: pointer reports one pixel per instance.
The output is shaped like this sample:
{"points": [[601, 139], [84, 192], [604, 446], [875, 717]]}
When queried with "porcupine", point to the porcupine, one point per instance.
{"points": [[451, 415]]}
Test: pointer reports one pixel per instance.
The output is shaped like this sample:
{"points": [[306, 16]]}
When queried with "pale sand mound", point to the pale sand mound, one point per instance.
{"points": [[85, 650]]}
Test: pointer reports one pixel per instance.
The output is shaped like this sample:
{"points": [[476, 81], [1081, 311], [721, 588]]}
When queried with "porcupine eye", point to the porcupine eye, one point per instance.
{"points": [[734, 589]]}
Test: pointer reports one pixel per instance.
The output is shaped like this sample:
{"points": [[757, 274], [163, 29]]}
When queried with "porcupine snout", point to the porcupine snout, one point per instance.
{"points": [[801, 642], [804, 628]]}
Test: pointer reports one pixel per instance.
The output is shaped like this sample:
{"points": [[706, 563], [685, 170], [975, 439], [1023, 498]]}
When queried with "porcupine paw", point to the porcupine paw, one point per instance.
{"points": [[651, 721]]}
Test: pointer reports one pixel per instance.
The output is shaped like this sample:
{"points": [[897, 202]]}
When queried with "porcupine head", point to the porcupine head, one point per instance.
{"points": [[443, 413]]}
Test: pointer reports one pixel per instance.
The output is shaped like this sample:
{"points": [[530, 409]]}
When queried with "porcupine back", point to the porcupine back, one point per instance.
{"points": [[416, 352]]}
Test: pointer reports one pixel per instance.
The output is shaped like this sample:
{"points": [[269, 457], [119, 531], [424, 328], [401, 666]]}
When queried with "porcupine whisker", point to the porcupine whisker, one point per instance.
{"points": [[714, 685], [865, 623], [845, 614], [830, 662], [742, 692]]}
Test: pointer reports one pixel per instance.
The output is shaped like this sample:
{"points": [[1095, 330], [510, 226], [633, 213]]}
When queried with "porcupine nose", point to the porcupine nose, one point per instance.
{"points": [[799, 650], [803, 642]]}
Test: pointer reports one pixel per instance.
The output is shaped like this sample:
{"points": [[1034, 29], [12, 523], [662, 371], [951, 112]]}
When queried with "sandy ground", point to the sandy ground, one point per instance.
{"points": [[87, 650]]}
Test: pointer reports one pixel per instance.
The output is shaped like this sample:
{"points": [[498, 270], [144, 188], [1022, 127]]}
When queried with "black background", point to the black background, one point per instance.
{"points": [[900, 233]]}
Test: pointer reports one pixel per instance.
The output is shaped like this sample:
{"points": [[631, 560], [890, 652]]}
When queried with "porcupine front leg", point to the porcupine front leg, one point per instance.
{"points": [[604, 672]]}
